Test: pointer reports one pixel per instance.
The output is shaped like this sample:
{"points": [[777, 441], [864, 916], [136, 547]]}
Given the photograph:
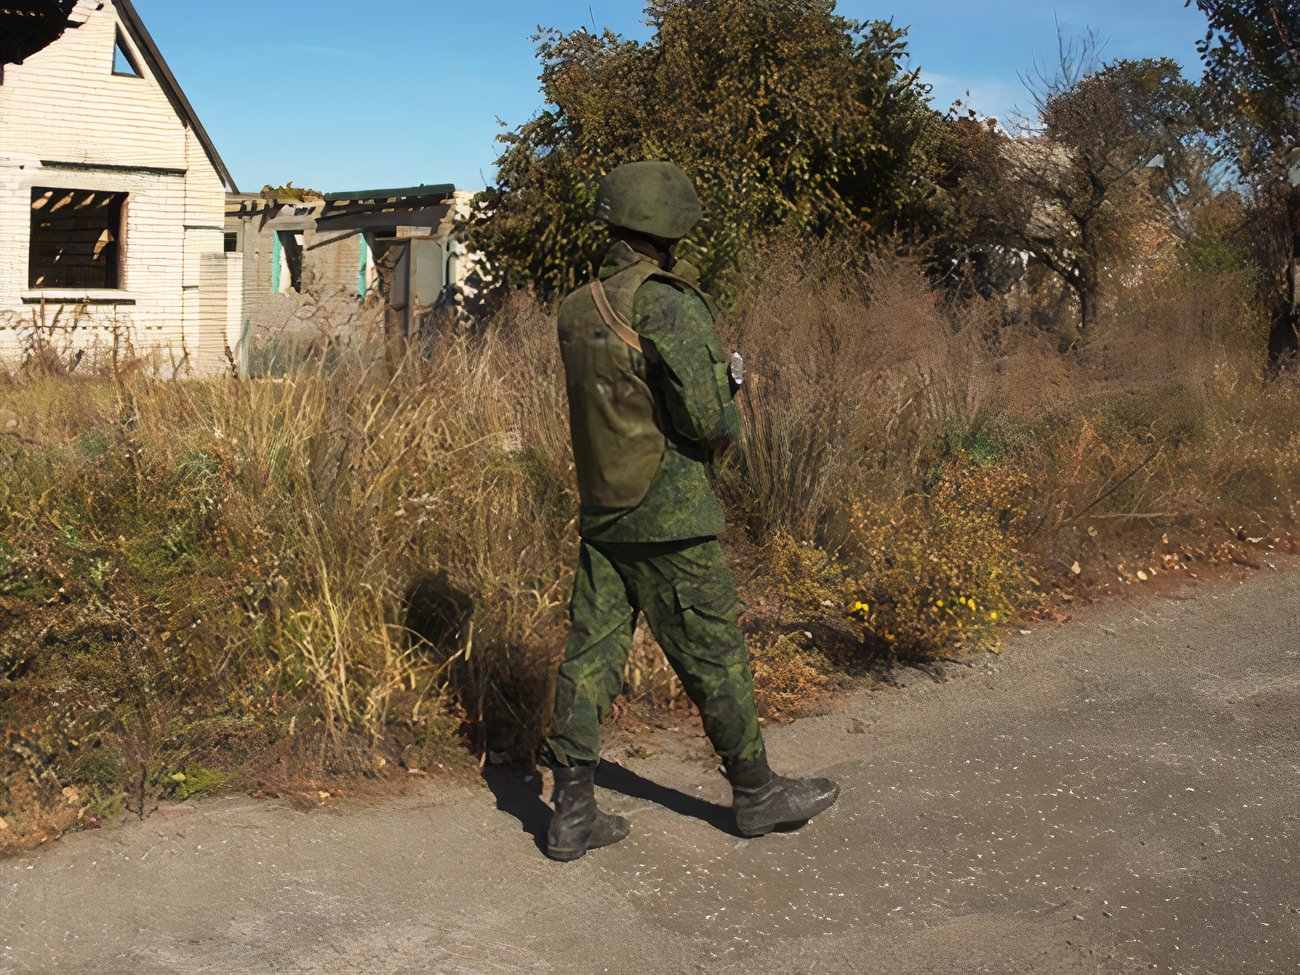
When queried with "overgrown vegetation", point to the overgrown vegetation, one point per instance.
{"points": [[987, 374], [350, 571]]}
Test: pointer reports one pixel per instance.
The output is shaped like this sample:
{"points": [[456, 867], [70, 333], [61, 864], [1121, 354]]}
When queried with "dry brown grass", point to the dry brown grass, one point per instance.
{"points": [[350, 568]]}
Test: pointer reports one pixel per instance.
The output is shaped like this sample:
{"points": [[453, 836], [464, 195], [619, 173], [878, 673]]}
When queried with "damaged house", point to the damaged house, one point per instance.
{"points": [[119, 222], [112, 195], [342, 266]]}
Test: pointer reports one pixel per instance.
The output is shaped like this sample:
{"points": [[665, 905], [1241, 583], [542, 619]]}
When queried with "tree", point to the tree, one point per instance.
{"points": [[1251, 54], [1102, 163], [787, 116]]}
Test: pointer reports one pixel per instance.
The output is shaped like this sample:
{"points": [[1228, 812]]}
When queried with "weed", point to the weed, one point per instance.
{"points": [[365, 559]]}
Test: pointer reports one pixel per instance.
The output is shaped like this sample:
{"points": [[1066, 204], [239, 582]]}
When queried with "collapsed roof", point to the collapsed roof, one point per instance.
{"points": [[29, 26], [357, 210]]}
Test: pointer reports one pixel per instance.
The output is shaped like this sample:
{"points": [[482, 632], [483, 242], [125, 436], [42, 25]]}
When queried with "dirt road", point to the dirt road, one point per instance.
{"points": [[1119, 794]]}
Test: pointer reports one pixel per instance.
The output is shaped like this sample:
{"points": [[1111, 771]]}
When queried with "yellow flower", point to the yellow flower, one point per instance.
{"points": [[939, 603], [993, 617]]}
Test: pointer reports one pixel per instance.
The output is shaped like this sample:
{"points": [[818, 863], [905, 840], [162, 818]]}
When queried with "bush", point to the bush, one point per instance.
{"points": [[940, 570], [354, 567]]}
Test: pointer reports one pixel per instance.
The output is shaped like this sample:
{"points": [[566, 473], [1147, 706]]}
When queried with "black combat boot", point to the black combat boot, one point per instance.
{"points": [[578, 826], [764, 801]]}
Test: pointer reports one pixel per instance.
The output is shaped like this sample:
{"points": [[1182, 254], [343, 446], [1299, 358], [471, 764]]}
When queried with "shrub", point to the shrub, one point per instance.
{"points": [[940, 570], [357, 564]]}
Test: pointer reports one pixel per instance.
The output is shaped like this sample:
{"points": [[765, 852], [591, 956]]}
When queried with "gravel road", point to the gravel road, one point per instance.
{"points": [[1117, 794]]}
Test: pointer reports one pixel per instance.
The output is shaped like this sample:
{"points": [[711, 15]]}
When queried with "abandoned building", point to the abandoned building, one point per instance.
{"points": [[119, 222], [112, 195], [315, 264]]}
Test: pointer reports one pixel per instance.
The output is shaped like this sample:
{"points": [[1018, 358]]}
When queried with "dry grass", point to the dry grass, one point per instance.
{"points": [[337, 557], [945, 455], [349, 568]]}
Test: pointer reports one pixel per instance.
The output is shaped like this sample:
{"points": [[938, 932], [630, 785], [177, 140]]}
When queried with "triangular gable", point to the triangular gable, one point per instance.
{"points": [[143, 42]]}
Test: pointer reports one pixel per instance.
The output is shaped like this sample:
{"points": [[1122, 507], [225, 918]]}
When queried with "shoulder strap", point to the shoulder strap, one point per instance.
{"points": [[612, 318]]}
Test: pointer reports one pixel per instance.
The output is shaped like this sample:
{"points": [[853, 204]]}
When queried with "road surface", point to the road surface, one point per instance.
{"points": [[1117, 794]]}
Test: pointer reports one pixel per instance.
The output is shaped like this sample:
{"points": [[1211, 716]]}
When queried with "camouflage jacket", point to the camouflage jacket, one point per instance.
{"points": [[646, 426]]}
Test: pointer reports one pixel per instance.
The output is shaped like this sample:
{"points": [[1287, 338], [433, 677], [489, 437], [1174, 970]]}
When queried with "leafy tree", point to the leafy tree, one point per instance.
{"points": [[788, 117], [1103, 162], [1251, 54]]}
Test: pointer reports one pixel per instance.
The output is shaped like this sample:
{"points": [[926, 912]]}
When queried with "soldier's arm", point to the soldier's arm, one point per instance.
{"points": [[688, 364]]}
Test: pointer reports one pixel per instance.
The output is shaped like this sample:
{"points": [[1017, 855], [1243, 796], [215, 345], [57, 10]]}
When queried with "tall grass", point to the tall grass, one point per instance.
{"points": [[365, 562]]}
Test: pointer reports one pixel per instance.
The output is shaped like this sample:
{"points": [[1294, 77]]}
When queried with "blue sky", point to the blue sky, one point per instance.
{"points": [[317, 92]]}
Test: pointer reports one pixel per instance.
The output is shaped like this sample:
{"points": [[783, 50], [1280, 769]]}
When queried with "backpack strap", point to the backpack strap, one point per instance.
{"points": [[629, 281], [613, 319]]}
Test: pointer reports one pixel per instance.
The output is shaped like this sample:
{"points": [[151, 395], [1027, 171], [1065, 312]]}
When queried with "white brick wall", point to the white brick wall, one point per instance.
{"points": [[65, 105]]}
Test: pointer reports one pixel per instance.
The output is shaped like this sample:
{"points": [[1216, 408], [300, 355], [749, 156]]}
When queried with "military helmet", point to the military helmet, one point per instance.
{"points": [[649, 197]]}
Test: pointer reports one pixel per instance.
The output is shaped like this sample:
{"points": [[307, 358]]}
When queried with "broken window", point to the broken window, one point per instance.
{"points": [[286, 269], [76, 239], [123, 60]]}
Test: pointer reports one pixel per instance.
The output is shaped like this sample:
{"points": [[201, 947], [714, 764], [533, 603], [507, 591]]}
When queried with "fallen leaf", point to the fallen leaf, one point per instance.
{"points": [[1143, 576], [1077, 569]]}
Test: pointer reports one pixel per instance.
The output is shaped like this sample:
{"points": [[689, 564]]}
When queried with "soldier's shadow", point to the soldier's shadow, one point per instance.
{"points": [[518, 791]]}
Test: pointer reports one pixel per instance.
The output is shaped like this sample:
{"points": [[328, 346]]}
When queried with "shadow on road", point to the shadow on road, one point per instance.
{"points": [[518, 791], [619, 779]]}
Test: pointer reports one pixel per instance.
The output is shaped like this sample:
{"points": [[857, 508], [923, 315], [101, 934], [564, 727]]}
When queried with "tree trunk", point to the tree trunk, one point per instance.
{"points": [[1087, 307], [1284, 337], [1085, 290]]}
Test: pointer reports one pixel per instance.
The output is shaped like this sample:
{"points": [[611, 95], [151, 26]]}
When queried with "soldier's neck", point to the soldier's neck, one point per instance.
{"points": [[648, 248]]}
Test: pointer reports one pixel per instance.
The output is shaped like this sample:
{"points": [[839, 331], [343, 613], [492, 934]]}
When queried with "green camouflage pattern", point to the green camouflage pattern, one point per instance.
{"points": [[683, 385], [688, 596], [650, 197], [618, 442]]}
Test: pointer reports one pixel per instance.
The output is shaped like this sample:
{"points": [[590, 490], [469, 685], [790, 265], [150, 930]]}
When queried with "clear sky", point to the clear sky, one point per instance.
{"points": [[340, 95]]}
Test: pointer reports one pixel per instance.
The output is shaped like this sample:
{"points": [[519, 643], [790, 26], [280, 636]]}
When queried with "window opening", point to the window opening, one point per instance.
{"points": [[232, 242], [76, 239], [124, 62], [288, 261]]}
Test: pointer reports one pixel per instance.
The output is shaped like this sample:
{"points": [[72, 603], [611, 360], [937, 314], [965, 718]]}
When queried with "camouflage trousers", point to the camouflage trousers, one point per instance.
{"points": [[687, 594]]}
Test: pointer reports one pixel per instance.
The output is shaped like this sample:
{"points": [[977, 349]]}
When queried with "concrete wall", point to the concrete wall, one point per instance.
{"points": [[113, 133], [331, 299]]}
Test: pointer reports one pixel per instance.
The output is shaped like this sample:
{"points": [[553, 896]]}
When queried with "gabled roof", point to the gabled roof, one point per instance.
{"points": [[28, 26], [171, 87]]}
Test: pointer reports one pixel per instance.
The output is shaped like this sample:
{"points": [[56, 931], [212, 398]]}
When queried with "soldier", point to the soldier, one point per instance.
{"points": [[650, 406]]}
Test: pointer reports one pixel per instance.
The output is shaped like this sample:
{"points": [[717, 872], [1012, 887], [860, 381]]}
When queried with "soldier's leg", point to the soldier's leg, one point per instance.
{"points": [[591, 676], [689, 598]]}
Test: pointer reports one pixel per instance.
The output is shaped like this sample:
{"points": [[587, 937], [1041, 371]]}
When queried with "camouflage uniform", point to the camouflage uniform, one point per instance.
{"points": [[645, 427]]}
